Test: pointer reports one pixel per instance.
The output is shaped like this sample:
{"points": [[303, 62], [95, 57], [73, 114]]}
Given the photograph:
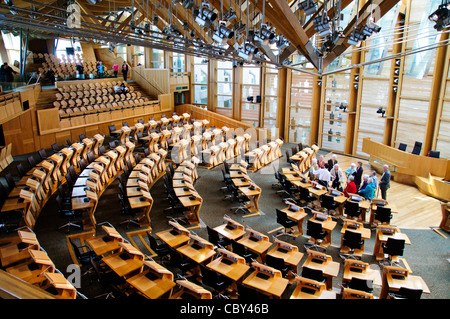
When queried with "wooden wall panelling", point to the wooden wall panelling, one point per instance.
{"points": [[48, 120], [17, 132]]}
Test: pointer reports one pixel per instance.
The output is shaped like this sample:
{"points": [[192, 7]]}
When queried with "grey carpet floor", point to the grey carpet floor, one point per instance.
{"points": [[428, 256]]}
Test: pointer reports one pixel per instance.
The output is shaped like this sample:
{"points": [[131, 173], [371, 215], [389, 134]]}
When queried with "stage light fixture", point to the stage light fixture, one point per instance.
{"points": [[281, 42], [441, 17], [222, 34], [322, 25], [308, 6], [188, 4], [356, 37], [230, 15], [205, 16], [247, 51]]}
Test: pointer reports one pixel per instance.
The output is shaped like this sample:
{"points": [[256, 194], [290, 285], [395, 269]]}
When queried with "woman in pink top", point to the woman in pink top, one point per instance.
{"points": [[115, 69]]}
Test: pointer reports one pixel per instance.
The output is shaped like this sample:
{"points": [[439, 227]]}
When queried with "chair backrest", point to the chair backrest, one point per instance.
{"points": [[111, 128], [42, 153], [31, 161], [82, 137], [238, 248], [245, 292], [361, 284], [10, 181], [417, 148], [327, 200], [402, 147], [394, 246], [352, 208], [409, 293], [152, 241], [352, 239], [313, 229], [55, 147], [209, 277], [213, 236], [314, 274], [435, 154], [75, 248], [281, 217], [383, 214], [91, 157], [275, 262]]}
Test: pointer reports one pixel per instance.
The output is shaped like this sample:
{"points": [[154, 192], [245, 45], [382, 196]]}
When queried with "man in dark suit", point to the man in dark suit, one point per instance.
{"points": [[358, 174], [385, 181], [331, 162]]}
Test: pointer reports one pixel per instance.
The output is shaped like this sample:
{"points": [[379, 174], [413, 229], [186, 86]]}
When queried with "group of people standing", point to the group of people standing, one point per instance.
{"points": [[101, 70], [330, 174]]}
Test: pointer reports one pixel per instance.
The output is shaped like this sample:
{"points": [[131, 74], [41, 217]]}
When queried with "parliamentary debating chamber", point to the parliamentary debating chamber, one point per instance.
{"points": [[236, 150]]}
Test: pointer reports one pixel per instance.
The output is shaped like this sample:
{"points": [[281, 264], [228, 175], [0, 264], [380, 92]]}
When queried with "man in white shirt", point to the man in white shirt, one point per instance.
{"points": [[324, 175]]}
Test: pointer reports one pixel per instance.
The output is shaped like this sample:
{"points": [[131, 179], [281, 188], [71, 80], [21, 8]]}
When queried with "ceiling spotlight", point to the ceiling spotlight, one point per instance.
{"points": [[205, 16], [230, 15], [356, 37], [441, 17], [322, 25], [309, 6], [264, 35], [222, 34], [247, 51], [188, 4], [155, 20], [239, 27], [147, 28], [281, 42]]}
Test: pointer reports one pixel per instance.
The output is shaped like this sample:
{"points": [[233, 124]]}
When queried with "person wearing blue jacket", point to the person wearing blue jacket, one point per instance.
{"points": [[369, 191]]}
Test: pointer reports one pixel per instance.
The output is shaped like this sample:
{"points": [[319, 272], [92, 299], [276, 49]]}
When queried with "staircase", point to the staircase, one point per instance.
{"points": [[46, 98]]}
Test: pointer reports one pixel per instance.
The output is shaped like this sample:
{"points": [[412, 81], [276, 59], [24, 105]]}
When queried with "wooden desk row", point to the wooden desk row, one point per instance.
{"points": [[183, 185], [304, 157], [33, 190], [264, 154], [246, 186], [5, 156], [96, 177], [25, 259], [139, 182]]}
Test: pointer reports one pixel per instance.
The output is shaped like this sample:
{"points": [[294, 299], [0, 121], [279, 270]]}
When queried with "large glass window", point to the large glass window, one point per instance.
{"points": [[300, 107], [61, 46], [139, 53], [121, 51], [157, 59], [12, 46], [224, 88], [200, 81], [271, 100], [178, 62], [251, 95]]}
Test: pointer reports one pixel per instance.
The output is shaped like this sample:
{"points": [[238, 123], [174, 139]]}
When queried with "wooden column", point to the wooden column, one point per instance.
{"points": [[212, 85], [315, 110], [237, 79], [282, 100], [439, 80]]}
